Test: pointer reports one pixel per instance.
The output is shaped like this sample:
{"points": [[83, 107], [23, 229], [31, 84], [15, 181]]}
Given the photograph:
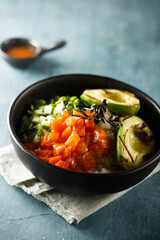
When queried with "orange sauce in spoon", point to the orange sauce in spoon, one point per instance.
{"points": [[21, 51]]}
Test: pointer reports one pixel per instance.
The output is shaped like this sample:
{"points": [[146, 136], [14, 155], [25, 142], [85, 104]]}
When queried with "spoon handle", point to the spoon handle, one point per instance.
{"points": [[53, 46]]}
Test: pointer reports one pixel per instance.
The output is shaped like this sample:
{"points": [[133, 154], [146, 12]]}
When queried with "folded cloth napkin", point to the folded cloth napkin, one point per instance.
{"points": [[71, 207]]}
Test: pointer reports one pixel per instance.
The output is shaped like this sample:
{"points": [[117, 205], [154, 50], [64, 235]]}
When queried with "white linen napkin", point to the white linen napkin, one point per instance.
{"points": [[71, 207]]}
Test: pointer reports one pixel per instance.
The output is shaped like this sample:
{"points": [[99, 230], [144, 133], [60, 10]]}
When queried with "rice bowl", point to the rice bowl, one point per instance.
{"points": [[79, 182]]}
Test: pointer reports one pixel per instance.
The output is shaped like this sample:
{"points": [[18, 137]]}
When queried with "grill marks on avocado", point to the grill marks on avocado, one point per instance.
{"points": [[91, 97], [134, 141], [126, 150]]}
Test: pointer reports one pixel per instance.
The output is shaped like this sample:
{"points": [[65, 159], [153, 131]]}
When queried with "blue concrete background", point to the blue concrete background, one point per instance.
{"points": [[115, 38]]}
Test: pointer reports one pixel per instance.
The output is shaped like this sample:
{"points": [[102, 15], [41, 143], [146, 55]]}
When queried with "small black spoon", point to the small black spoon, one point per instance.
{"points": [[23, 62]]}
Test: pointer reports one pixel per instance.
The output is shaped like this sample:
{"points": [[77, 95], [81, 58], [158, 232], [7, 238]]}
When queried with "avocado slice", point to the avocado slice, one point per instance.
{"points": [[118, 101], [134, 141]]}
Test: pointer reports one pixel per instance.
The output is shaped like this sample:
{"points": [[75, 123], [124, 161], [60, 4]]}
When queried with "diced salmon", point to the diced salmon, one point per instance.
{"points": [[73, 141]]}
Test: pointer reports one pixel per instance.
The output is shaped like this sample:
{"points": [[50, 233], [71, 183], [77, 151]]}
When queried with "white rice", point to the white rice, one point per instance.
{"points": [[107, 163]]}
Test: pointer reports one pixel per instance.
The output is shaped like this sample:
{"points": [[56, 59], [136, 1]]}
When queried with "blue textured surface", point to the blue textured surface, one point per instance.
{"points": [[119, 39]]}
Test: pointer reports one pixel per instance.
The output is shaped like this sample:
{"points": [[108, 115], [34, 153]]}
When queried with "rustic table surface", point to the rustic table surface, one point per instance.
{"points": [[119, 39]]}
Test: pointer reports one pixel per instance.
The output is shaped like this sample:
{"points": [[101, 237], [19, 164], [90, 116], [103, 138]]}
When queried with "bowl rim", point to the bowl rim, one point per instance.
{"points": [[98, 175]]}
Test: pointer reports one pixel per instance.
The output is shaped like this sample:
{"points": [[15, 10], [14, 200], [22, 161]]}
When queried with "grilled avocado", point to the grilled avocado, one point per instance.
{"points": [[119, 102], [134, 141]]}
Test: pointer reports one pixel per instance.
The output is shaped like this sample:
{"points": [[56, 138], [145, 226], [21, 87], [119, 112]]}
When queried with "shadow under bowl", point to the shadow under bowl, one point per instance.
{"points": [[71, 181]]}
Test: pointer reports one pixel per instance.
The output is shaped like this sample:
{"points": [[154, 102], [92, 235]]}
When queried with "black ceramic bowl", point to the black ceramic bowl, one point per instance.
{"points": [[77, 182]]}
